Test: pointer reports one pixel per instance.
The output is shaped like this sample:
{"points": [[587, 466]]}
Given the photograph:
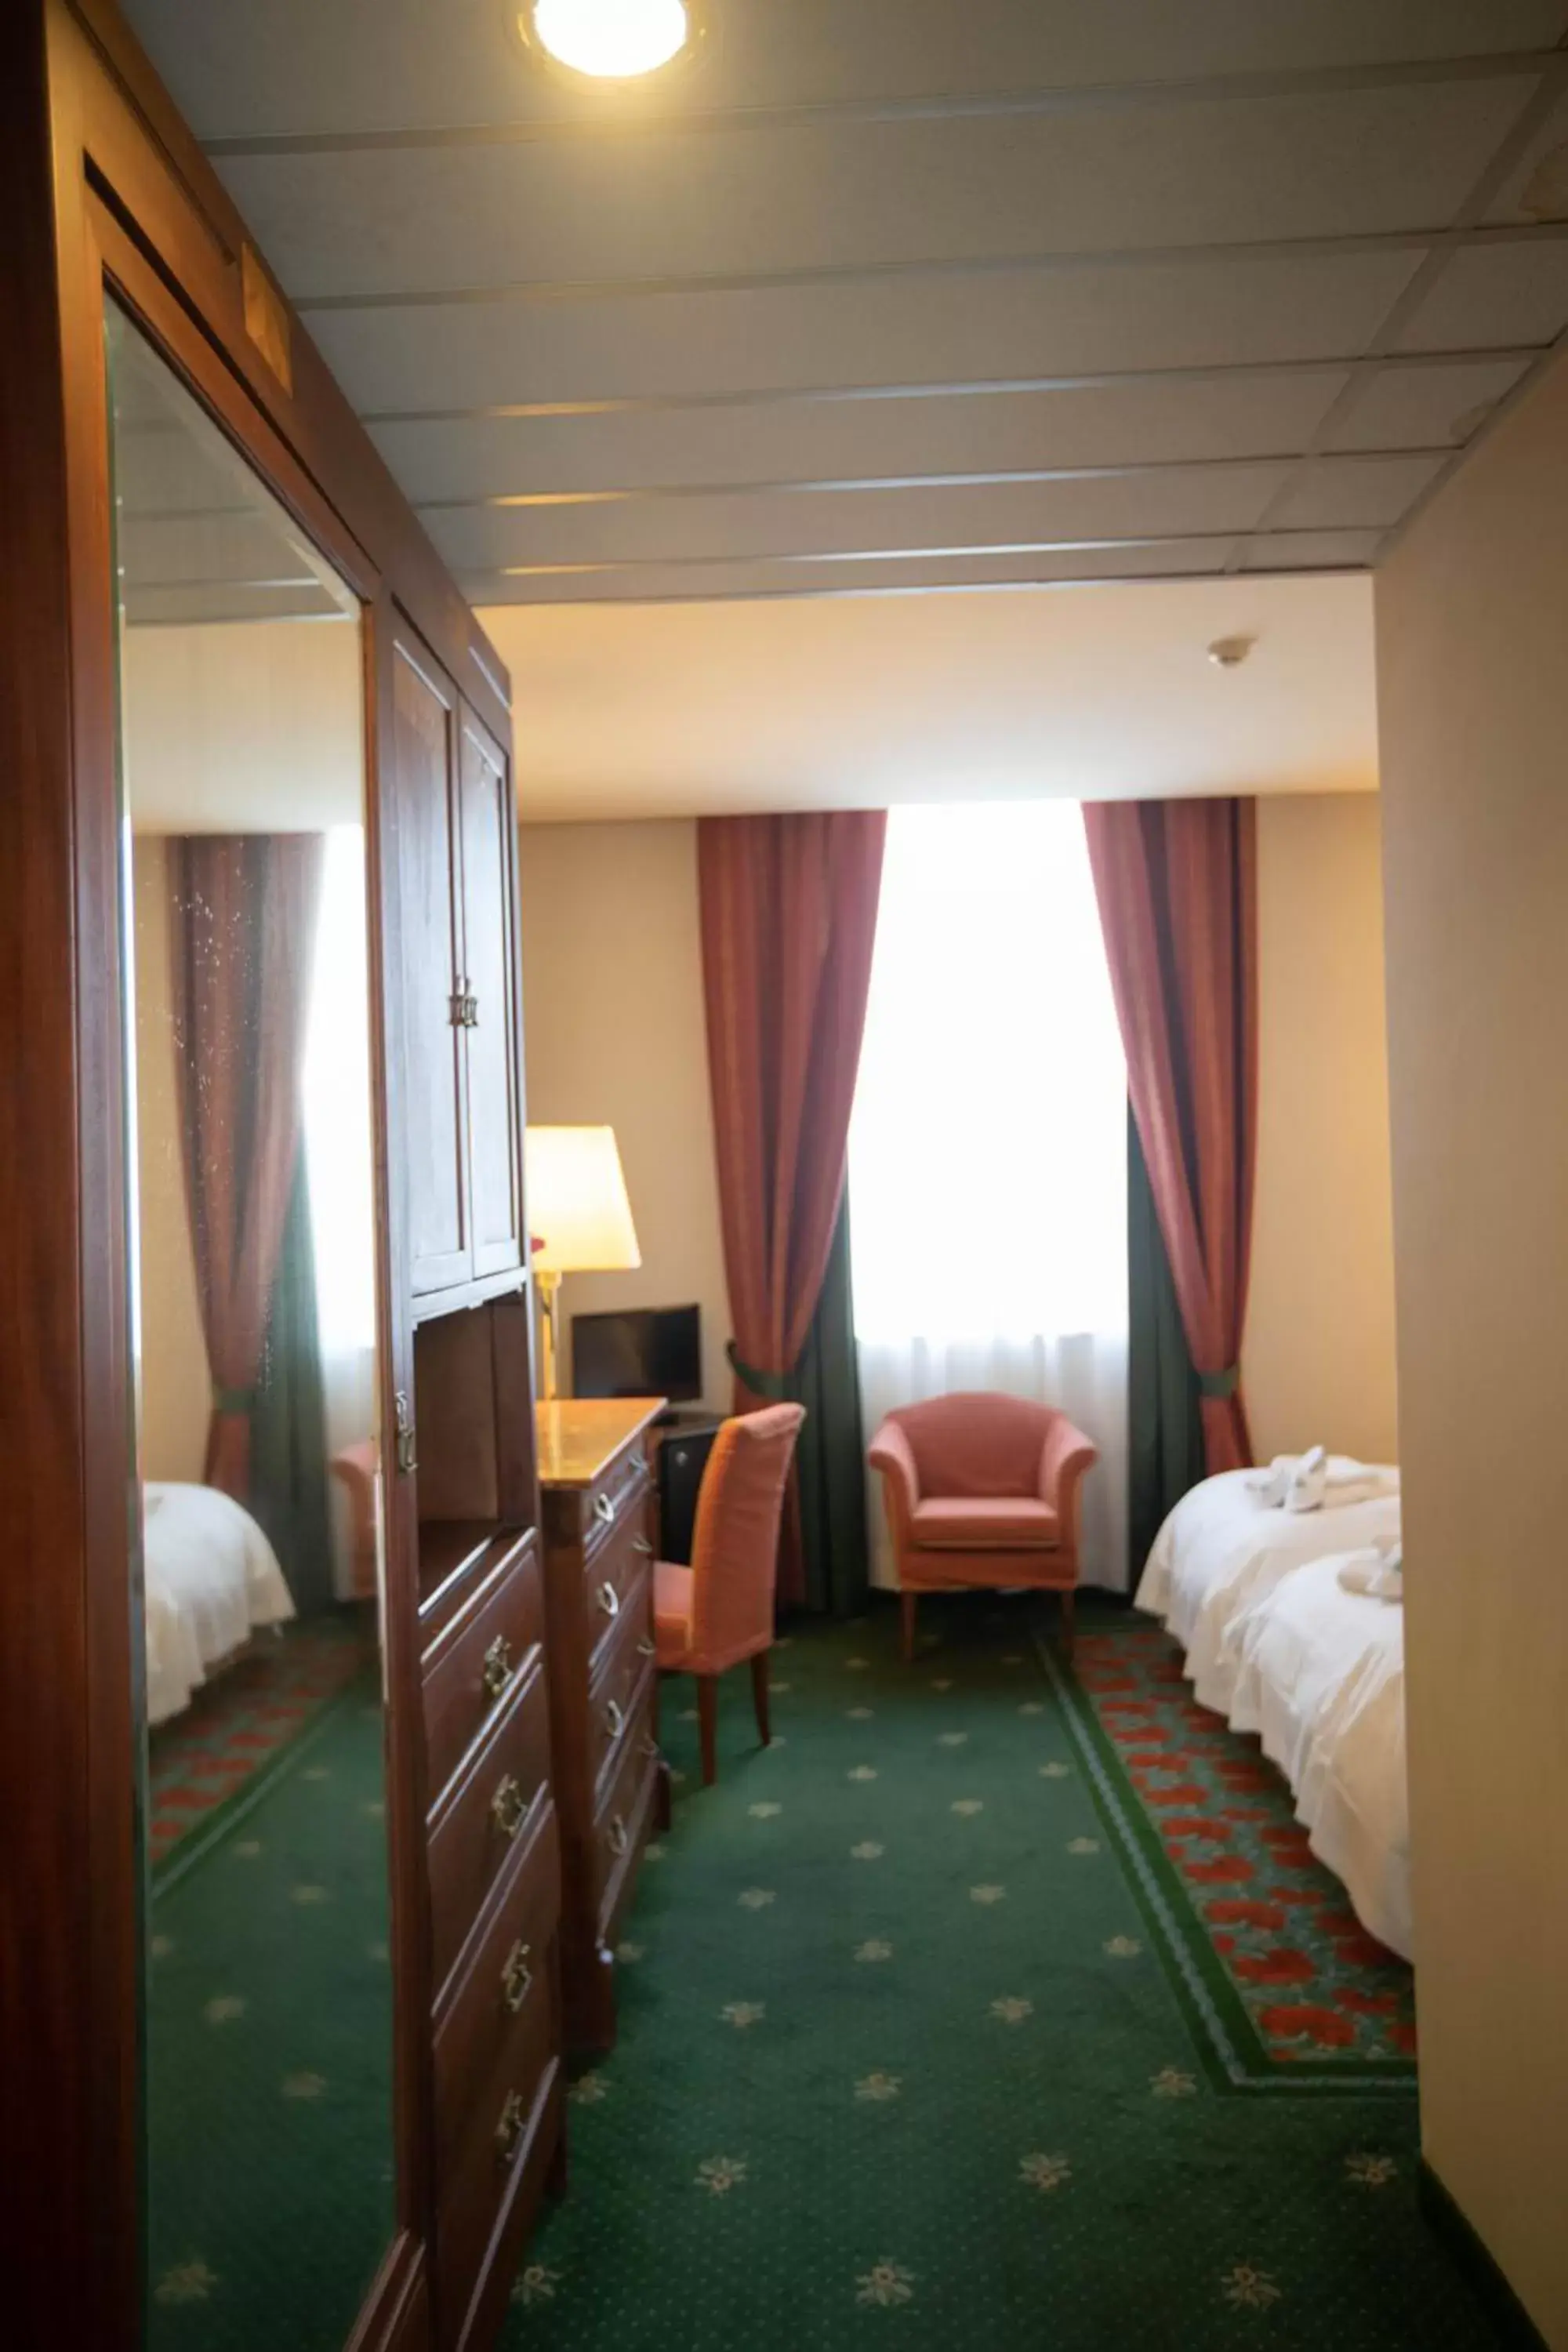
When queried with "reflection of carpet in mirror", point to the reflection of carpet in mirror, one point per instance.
{"points": [[240, 1720], [270, 2197]]}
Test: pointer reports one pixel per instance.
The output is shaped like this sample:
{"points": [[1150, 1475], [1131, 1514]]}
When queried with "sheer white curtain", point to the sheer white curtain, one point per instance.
{"points": [[988, 1148], [336, 1091]]}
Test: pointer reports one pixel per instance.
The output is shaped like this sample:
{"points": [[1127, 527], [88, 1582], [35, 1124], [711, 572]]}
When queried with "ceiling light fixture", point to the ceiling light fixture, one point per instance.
{"points": [[607, 40], [1229, 653]]}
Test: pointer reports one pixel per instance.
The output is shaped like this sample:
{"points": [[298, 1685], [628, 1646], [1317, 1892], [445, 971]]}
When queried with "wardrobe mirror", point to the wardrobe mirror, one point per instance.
{"points": [[268, 1989]]}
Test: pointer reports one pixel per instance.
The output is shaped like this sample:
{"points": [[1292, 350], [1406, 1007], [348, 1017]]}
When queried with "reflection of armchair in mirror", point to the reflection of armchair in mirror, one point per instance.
{"points": [[357, 1469]]}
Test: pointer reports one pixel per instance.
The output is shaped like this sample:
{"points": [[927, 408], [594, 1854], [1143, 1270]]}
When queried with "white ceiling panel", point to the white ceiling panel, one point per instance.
{"points": [[1333, 493], [792, 522], [1495, 295], [279, 66], [1309, 551], [848, 440], [1017, 323], [656, 206], [1426, 407], [1536, 188], [888, 574]]}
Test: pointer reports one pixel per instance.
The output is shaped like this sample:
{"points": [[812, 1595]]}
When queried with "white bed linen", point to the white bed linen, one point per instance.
{"points": [[1219, 1550], [1321, 1679], [211, 1578]]}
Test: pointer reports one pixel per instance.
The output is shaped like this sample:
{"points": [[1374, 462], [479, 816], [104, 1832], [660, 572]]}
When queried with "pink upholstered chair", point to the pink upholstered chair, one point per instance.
{"points": [[982, 1490], [719, 1611]]}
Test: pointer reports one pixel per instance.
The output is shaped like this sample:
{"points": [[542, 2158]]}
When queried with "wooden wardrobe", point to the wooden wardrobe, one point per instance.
{"points": [[104, 194]]}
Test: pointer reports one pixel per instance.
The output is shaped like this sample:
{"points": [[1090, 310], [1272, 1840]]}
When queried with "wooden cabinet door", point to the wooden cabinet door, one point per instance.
{"points": [[490, 962], [424, 769]]}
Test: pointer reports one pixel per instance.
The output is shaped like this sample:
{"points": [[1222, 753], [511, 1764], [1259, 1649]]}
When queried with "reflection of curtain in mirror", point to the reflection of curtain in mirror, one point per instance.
{"points": [[243, 918]]}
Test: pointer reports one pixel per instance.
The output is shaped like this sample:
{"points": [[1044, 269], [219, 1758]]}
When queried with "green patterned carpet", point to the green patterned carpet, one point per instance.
{"points": [[906, 2057], [270, 2053]]}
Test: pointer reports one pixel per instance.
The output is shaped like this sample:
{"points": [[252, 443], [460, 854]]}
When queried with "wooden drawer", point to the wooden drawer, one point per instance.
{"points": [[491, 2191], [625, 1665], [487, 1815], [621, 1815], [615, 1501], [617, 1584], [488, 2027], [479, 1661]]}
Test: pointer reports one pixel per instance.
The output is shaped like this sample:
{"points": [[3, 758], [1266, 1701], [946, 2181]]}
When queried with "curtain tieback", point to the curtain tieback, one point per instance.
{"points": [[1220, 1386], [233, 1400], [777, 1387]]}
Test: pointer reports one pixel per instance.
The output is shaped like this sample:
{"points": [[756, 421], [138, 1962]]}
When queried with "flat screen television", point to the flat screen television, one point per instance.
{"points": [[640, 1351]]}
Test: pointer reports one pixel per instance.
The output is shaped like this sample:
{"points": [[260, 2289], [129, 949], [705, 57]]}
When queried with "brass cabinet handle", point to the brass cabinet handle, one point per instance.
{"points": [[516, 1976], [509, 2131], [650, 1747], [404, 1451], [615, 1836], [497, 1667], [604, 1509], [509, 1808], [645, 1648], [615, 1720], [470, 1010], [609, 1600], [641, 1544]]}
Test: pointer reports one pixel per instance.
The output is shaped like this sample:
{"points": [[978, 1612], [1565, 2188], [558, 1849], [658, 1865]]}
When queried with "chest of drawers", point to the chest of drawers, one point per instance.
{"points": [[493, 1851], [597, 1521]]}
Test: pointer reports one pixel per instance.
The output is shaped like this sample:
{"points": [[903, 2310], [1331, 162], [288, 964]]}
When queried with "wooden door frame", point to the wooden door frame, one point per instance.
{"points": [[101, 185]]}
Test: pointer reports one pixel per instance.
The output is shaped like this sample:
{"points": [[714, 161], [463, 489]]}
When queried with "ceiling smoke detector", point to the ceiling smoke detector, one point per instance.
{"points": [[1229, 653]]}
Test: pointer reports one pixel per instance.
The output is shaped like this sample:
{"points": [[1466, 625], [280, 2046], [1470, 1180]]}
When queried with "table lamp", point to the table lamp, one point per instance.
{"points": [[579, 1219]]}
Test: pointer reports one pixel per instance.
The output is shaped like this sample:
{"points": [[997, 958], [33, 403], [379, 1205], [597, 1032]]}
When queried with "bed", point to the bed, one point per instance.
{"points": [[1277, 1646], [211, 1578]]}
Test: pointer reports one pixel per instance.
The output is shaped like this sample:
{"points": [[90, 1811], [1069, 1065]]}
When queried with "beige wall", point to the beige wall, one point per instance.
{"points": [[175, 1387], [614, 1032], [1473, 688], [1318, 1360]]}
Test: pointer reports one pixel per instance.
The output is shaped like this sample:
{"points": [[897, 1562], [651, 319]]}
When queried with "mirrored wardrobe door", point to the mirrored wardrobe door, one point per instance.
{"points": [[269, 2129]]}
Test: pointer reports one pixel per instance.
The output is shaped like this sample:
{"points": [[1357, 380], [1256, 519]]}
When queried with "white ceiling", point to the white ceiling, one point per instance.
{"points": [[688, 710], [905, 293]]}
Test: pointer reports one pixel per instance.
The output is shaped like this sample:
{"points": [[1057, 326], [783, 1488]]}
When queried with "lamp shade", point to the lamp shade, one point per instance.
{"points": [[578, 1212]]}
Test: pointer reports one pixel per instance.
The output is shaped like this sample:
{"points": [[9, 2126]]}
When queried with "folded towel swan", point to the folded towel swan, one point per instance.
{"points": [[1379, 1572], [1315, 1481]]}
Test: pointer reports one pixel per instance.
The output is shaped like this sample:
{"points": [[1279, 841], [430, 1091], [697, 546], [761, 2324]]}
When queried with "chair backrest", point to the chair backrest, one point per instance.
{"points": [[976, 1443], [736, 1544]]}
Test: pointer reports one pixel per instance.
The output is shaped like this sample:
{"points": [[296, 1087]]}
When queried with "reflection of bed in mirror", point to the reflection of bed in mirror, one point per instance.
{"points": [[212, 1580]]}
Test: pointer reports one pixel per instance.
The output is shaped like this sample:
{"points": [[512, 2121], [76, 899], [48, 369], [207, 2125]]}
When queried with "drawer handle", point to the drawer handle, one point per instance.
{"points": [[509, 1808], [649, 1747], [609, 1600], [604, 1509], [516, 1976], [616, 1722], [616, 1836], [645, 1648], [642, 1547], [499, 1667], [510, 2130]]}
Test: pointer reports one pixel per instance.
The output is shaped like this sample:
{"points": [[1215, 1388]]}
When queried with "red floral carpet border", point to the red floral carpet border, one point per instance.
{"points": [[1287, 1988], [241, 1720]]}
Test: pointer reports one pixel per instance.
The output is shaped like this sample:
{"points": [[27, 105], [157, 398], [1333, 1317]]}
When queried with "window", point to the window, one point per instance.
{"points": [[988, 1147]]}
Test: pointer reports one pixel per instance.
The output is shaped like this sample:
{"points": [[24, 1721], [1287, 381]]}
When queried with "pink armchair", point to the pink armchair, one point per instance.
{"points": [[982, 1490]]}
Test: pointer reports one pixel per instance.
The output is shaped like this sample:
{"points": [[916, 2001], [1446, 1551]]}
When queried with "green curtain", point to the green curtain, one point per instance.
{"points": [[289, 1492], [1164, 1421], [830, 1457], [832, 1452]]}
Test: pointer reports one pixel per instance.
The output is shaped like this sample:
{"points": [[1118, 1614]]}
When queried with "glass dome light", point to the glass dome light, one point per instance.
{"points": [[609, 40]]}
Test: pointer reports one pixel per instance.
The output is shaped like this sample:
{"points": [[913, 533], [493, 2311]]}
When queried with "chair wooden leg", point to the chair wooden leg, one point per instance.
{"points": [[1068, 1600], [707, 1726], [907, 1603], [760, 1696]]}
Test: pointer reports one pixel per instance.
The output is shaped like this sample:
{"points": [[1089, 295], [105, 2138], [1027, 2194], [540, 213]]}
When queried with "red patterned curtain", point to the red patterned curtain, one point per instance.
{"points": [[242, 925], [1177, 887], [789, 918]]}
